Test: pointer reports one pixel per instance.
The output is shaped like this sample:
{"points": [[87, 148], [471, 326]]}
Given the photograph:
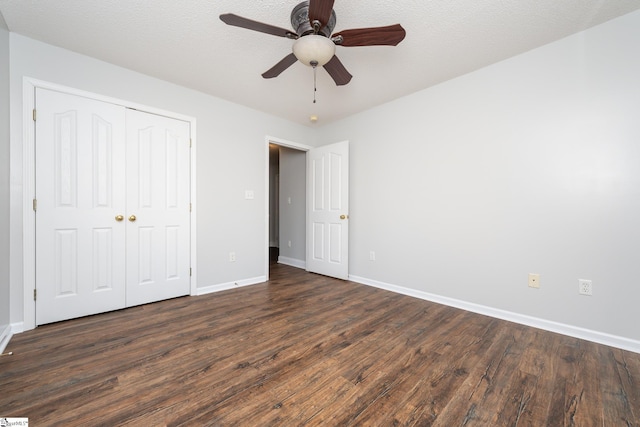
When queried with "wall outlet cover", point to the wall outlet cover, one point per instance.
{"points": [[585, 287], [534, 280]]}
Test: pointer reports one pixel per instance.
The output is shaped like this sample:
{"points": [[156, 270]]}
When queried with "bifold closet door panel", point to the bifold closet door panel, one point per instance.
{"points": [[80, 194], [158, 207]]}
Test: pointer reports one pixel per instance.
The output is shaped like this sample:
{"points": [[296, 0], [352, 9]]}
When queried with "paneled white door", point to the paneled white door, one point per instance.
{"points": [[113, 207], [328, 210], [158, 207], [80, 190]]}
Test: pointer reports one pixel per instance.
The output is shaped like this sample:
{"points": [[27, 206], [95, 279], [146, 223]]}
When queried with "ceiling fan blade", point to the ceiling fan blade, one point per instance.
{"points": [[239, 21], [285, 63], [320, 10], [376, 36], [338, 73]]}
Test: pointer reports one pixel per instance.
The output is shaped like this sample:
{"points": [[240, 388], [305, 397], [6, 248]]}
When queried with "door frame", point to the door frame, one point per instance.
{"points": [[283, 143], [29, 86]]}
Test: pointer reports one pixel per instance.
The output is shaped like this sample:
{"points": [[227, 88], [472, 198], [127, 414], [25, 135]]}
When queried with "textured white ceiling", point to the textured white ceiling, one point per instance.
{"points": [[186, 43]]}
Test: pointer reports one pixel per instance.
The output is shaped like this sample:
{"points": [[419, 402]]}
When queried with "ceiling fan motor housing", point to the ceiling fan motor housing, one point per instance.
{"points": [[302, 26]]}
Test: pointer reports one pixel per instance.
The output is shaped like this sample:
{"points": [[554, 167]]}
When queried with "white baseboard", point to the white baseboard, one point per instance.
{"points": [[5, 336], [561, 328], [230, 285], [573, 331], [17, 328], [298, 263]]}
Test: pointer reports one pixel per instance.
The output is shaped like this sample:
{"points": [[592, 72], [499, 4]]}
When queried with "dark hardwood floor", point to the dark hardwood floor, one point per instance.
{"points": [[304, 349]]}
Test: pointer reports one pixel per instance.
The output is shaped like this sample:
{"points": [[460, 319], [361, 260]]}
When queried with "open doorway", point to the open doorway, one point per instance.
{"points": [[274, 203], [286, 204], [313, 231]]}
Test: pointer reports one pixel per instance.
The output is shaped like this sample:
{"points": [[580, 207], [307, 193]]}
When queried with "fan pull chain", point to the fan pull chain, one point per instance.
{"points": [[314, 64], [314, 84]]}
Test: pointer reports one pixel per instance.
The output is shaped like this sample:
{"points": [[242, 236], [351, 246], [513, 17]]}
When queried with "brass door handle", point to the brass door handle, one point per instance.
{"points": [[132, 218], [119, 218], [344, 216]]}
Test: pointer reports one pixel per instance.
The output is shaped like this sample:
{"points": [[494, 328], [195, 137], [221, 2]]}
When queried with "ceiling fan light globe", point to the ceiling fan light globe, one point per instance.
{"points": [[314, 48]]}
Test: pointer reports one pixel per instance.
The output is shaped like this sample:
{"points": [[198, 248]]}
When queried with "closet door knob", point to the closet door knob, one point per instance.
{"points": [[119, 218], [132, 218]]}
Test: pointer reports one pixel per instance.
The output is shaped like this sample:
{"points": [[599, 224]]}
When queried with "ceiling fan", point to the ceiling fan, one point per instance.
{"points": [[313, 21]]}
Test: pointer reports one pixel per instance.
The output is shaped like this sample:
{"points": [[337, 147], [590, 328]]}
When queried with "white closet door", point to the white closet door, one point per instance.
{"points": [[80, 190], [158, 210]]}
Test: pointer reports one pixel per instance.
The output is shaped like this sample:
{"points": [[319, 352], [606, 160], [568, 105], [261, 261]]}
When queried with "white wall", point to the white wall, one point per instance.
{"points": [[4, 180], [293, 166], [531, 165], [230, 158]]}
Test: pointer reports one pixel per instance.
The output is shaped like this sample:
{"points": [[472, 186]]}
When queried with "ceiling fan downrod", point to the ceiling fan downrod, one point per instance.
{"points": [[316, 26]]}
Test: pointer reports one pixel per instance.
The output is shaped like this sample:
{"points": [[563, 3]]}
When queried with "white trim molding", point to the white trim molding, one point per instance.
{"points": [[547, 325], [298, 263], [17, 327], [5, 336], [284, 143], [231, 285]]}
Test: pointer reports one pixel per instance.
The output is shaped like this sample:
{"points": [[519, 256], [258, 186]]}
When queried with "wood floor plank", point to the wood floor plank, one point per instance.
{"points": [[481, 392], [616, 401], [629, 371], [304, 349], [505, 363], [440, 383]]}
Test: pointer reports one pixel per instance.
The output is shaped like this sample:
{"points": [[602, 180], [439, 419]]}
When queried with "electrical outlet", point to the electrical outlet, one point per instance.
{"points": [[372, 256], [585, 287], [232, 257], [534, 280]]}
